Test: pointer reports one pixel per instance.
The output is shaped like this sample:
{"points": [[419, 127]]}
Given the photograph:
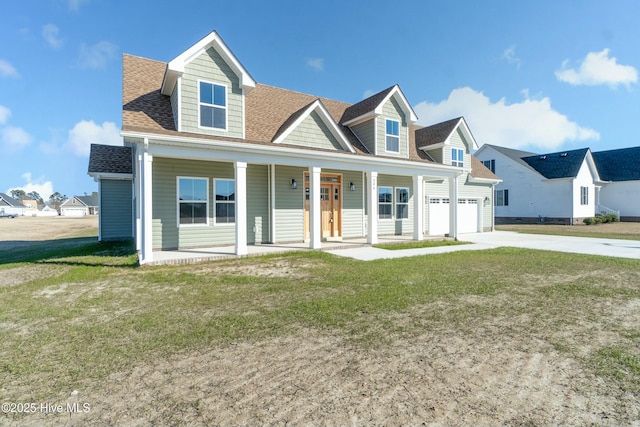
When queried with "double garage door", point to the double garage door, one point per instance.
{"points": [[439, 215]]}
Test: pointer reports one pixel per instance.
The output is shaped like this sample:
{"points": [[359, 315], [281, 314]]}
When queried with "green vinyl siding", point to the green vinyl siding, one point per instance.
{"points": [[210, 67], [174, 105], [166, 233], [365, 132], [396, 226], [456, 141], [391, 110], [116, 210], [289, 204], [313, 132], [258, 204]]}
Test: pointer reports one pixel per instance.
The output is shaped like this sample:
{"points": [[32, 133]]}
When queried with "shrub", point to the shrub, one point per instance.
{"points": [[612, 217], [588, 221]]}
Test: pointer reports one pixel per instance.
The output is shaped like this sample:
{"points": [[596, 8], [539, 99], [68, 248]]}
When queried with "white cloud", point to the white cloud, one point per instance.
{"points": [[7, 70], [98, 55], [316, 64], [14, 138], [85, 133], [5, 113], [532, 122], [598, 68], [74, 5], [50, 35], [367, 93], [42, 187], [510, 55]]}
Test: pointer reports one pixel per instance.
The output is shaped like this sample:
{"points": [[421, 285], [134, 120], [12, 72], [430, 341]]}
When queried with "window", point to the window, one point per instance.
{"points": [[490, 164], [502, 197], [225, 193], [402, 203], [213, 105], [393, 136], [584, 195], [457, 157], [193, 200], [385, 202]]}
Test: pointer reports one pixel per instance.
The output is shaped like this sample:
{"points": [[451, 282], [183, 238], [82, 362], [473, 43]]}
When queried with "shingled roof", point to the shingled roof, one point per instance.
{"points": [[435, 134], [110, 159], [618, 165], [563, 164]]}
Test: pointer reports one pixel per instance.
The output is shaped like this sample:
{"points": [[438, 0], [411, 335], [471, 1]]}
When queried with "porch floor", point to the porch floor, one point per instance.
{"points": [[196, 255]]}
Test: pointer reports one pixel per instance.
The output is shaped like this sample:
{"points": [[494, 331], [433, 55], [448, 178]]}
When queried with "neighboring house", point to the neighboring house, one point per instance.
{"points": [[9, 205], [31, 206], [213, 158], [563, 187], [80, 206], [620, 169], [48, 211]]}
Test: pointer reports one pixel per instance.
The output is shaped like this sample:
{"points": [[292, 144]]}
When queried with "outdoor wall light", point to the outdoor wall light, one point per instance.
{"points": [[352, 186], [294, 184]]}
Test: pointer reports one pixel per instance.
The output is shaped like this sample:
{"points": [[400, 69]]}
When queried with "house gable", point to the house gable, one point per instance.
{"points": [[312, 126], [618, 165], [440, 141], [565, 164]]}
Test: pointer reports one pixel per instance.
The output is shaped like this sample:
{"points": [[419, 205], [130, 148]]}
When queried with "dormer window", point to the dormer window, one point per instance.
{"points": [[457, 157], [392, 136], [213, 105]]}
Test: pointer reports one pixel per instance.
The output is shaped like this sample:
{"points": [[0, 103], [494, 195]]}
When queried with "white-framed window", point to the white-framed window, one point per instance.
{"points": [[502, 197], [584, 195], [193, 201], [392, 136], [385, 202], [490, 164], [225, 201], [457, 157], [402, 203], [212, 106]]}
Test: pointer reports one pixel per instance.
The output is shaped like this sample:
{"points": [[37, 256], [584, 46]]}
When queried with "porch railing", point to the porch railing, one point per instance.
{"points": [[603, 210]]}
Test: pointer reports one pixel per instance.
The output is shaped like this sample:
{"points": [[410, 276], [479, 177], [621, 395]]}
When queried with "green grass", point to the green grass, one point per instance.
{"points": [[78, 315], [422, 244]]}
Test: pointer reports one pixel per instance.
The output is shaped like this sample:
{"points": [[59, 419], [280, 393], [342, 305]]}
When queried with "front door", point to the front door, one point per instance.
{"points": [[330, 207]]}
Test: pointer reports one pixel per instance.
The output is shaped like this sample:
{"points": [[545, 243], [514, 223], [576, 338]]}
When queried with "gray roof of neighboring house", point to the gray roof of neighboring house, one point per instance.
{"points": [[11, 201], [110, 159], [618, 165], [89, 200], [563, 164]]}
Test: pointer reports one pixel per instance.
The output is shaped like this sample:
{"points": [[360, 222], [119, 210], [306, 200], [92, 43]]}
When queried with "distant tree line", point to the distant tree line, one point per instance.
{"points": [[55, 200]]}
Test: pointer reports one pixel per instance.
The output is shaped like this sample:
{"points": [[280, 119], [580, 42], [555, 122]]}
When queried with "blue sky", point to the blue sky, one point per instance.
{"points": [[542, 75]]}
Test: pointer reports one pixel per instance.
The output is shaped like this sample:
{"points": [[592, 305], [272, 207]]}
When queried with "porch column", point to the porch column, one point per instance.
{"points": [[453, 207], [314, 208], [241, 207], [418, 207], [372, 208], [146, 249]]}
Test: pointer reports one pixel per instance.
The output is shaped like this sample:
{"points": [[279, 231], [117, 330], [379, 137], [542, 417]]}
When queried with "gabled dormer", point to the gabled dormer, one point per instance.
{"points": [[312, 126], [449, 143], [207, 85], [381, 122]]}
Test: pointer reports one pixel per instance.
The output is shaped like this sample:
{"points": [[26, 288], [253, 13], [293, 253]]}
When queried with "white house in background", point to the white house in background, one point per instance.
{"points": [[564, 187], [212, 157], [621, 170], [9, 205], [80, 206]]}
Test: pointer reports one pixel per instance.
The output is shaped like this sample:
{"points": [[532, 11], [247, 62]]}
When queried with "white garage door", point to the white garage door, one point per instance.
{"points": [[439, 216], [73, 212]]}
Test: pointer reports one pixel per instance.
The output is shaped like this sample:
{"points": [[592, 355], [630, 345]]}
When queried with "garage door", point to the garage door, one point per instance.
{"points": [[439, 216], [72, 212]]}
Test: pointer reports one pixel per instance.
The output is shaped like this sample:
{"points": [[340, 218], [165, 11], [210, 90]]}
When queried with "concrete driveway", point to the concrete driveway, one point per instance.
{"points": [[496, 239], [579, 245]]}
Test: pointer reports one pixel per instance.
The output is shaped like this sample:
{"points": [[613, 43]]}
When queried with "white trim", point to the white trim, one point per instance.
{"points": [[272, 200], [179, 115], [203, 149], [315, 219], [326, 119], [240, 183], [418, 207], [178, 201], [235, 202], [225, 107], [372, 202], [175, 68], [386, 148], [112, 176], [396, 203], [146, 249], [410, 115]]}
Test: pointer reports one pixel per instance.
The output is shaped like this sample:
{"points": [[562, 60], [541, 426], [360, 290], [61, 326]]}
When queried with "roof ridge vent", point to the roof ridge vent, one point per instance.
{"points": [[564, 154], [543, 157]]}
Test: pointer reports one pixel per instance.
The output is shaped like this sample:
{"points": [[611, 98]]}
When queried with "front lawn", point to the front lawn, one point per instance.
{"points": [[612, 230]]}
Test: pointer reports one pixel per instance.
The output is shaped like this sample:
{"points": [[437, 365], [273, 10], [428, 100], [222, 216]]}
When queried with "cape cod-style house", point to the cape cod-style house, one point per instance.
{"points": [[211, 157]]}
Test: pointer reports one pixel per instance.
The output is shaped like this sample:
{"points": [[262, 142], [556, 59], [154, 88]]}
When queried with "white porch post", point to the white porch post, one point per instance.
{"points": [[272, 192], [418, 207], [241, 207], [453, 207], [138, 204], [372, 201], [314, 208], [146, 250]]}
